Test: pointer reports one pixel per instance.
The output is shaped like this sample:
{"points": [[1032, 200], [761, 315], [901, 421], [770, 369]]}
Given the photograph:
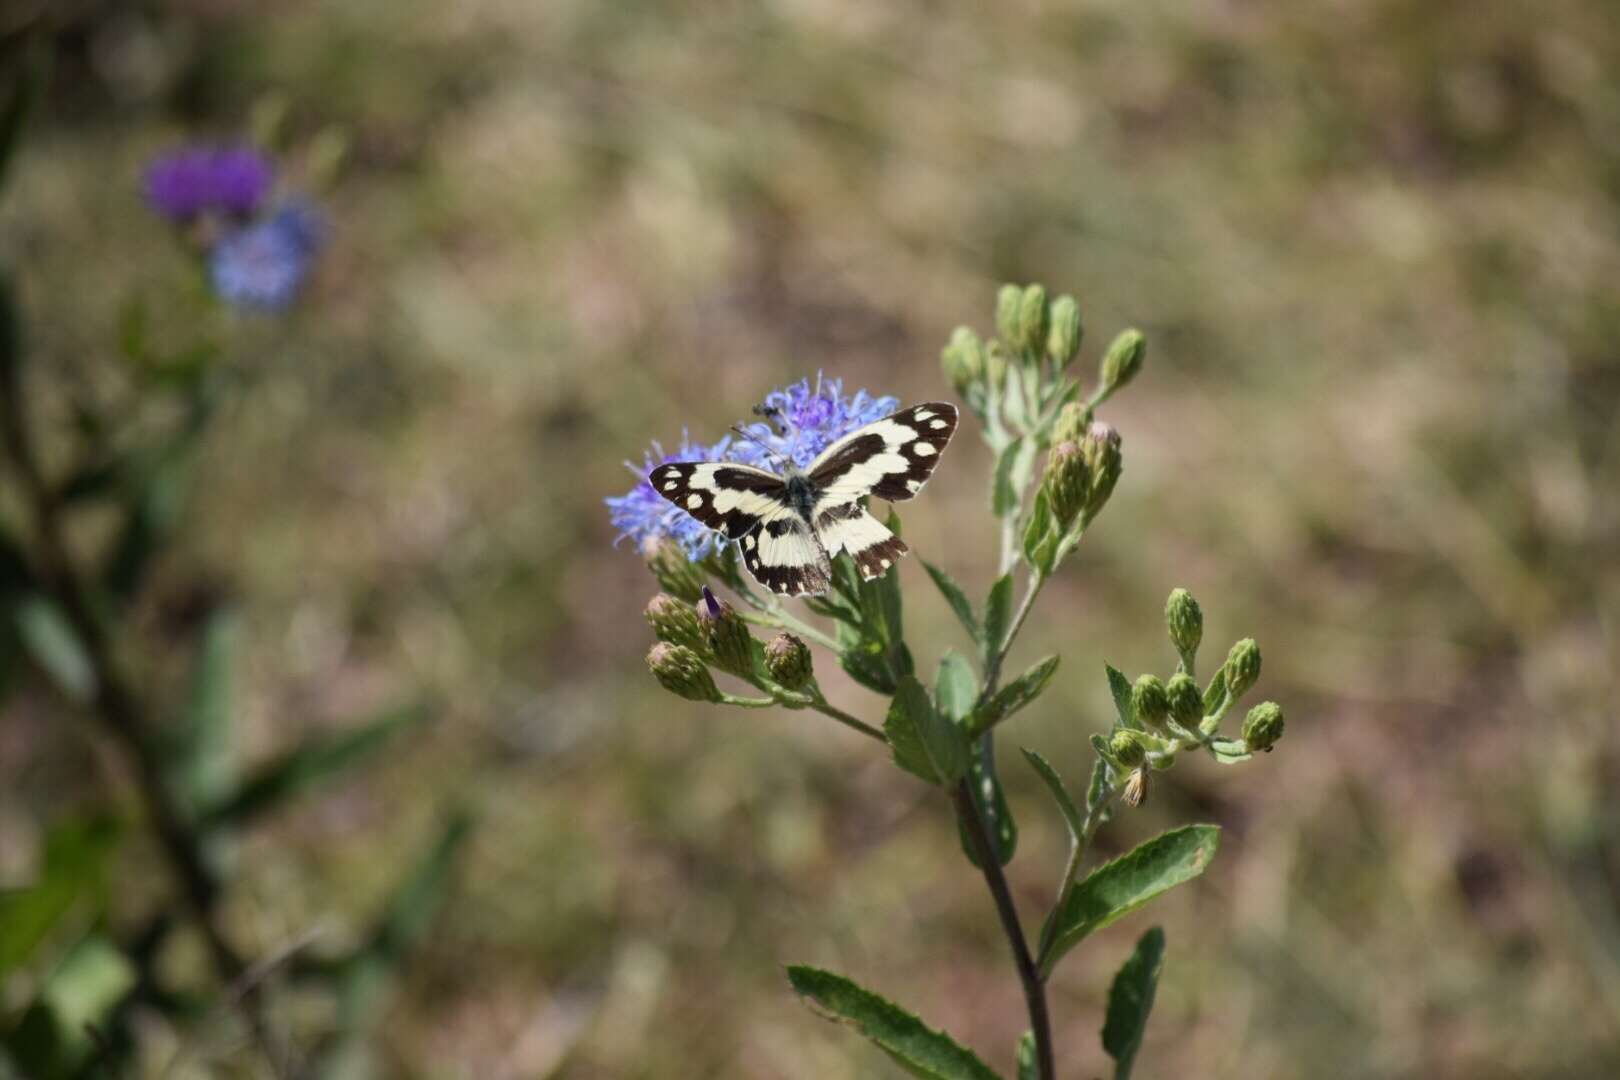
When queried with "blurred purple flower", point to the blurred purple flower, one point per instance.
{"points": [[262, 266], [808, 418], [185, 183]]}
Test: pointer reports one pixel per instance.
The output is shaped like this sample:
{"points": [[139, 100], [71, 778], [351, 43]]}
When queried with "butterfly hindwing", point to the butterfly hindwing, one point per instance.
{"points": [[785, 557], [849, 527], [733, 500], [891, 458]]}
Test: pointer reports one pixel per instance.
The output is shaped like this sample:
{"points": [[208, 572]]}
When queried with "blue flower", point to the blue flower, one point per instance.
{"points": [[262, 266], [185, 183], [807, 419], [646, 517]]}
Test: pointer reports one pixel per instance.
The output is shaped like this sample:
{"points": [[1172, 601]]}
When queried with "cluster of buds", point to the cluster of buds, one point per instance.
{"points": [[1035, 333], [1081, 472], [695, 637], [1172, 715]]}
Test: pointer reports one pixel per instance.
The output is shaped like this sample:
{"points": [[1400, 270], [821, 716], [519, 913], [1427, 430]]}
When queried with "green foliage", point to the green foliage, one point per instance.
{"points": [[1014, 696], [1118, 888], [917, 1048], [961, 606], [926, 743], [1130, 1000], [55, 646], [74, 870]]}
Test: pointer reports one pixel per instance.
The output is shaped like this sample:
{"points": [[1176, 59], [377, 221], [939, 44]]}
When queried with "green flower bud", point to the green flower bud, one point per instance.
{"points": [[1126, 750], [1067, 483], [1122, 360], [963, 359], [1103, 461], [1185, 620], [1263, 726], [995, 365], [1149, 701], [1071, 423], [787, 661], [676, 574], [1009, 298], [726, 635], [1242, 667], [1032, 319], [674, 622], [681, 671], [1063, 335], [1136, 788], [1185, 701]]}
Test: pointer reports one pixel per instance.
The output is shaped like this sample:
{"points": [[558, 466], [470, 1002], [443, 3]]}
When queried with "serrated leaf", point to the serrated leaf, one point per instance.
{"points": [[918, 1048], [1130, 1000], [1028, 1068], [925, 743], [315, 761], [990, 801], [1118, 888], [956, 598], [55, 646], [1014, 696], [1054, 784], [1120, 687], [1040, 541], [1215, 693], [998, 612]]}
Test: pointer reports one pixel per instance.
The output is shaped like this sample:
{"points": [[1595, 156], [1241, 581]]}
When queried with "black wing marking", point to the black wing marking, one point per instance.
{"points": [[731, 499], [848, 527], [785, 557], [891, 458]]}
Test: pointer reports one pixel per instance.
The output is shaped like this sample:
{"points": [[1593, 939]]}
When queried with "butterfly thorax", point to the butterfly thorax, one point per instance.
{"points": [[799, 493]]}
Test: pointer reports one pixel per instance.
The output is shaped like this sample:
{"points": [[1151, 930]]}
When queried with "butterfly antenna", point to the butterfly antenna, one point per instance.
{"points": [[757, 442]]}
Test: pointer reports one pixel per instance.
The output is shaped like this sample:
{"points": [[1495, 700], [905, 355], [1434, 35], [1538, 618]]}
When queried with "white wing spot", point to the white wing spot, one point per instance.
{"points": [[694, 501], [914, 486], [937, 424], [887, 564], [671, 486], [922, 449], [748, 541], [922, 414]]}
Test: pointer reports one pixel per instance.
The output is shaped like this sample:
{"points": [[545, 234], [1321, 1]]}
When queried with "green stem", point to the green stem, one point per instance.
{"points": [[822, 706], [777, 619], [1078, 846]]}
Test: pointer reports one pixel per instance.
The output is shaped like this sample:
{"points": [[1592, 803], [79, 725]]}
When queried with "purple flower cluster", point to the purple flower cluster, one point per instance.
{"points": [[260, 259], [200, 180], [806, 420]]}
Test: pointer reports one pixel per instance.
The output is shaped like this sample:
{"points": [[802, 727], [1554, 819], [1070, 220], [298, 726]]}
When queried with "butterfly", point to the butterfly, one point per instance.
{"points": [[789, 527]]}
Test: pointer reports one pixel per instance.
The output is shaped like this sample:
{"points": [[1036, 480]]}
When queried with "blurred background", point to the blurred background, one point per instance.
{"points": [[1375, 249]]}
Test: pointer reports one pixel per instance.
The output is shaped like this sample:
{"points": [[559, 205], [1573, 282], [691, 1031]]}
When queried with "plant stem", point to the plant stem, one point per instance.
{"points": [[992, 666], [1077, 853], [778, 619], [1034, 987], [825, 708]]}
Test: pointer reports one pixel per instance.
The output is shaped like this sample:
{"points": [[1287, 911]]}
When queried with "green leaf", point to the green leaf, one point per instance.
{"points": [[53, 1038], [1099, 743], [1004, 497], [1097, 790], [1040, 537], [201, 753], [1028, 1068], [1130, 1000], [990, 800], [1120, 687], [1118, 888], [77, 854], [1230, 751], [956, 598], [956, 687], [55, 646], [998, 612], [865, 662], [925, 743], [1215, 693], [1014, 696], [916, 1047], [1054, 784], [316, 760]]}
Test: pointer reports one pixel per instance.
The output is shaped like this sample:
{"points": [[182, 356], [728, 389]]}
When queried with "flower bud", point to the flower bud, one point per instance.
{"points": [[726, 635], [1263, 726], [1136, 788], [1071, 423], [674, 621], [1032, 319], [1067, 483], [787, 661], [963, 359], [1149, 701], [1242, 667], [1122, 360], [1126, 750], [1185, 620], [995, 365], [676, 574], [1103, 461], [1185, 701], [681, 671], [1063, 333], [1009, 298]]}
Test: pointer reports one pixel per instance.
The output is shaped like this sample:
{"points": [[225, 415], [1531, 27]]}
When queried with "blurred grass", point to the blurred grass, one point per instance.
{"points": [[1374, 248]]}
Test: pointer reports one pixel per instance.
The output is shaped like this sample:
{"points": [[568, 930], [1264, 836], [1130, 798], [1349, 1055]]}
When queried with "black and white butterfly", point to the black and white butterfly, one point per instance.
{"points": [[789, 527]]}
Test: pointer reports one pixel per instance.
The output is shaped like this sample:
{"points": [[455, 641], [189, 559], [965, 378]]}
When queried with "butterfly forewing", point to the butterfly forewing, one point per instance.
{"points": [[733, 500], [891, 458]]}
